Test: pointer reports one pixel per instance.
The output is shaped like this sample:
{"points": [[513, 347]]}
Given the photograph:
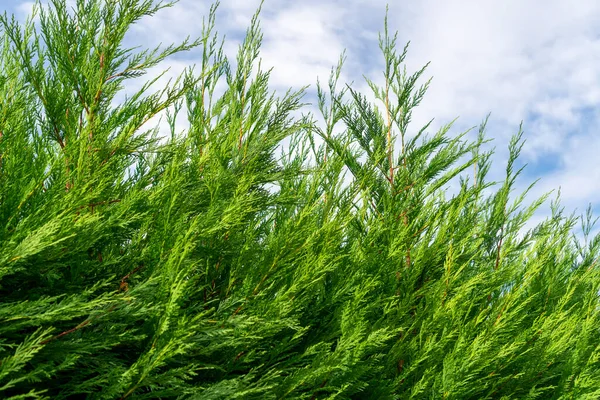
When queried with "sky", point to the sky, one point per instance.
{"points": [[535, 62]]}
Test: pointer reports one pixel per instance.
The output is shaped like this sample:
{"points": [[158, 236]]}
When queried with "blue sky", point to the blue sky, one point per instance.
{"points": [[536, 61]]}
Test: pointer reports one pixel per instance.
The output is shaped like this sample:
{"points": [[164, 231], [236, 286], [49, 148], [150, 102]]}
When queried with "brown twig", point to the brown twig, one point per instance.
{"points": [[242, 119], [499, 248], [100, 203], [389, 132], [314, 396], [78, 327], [89, 320], [123, 284]]}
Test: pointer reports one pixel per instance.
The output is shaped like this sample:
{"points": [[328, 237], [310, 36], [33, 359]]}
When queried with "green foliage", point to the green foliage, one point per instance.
{"points": [[258, 255]]}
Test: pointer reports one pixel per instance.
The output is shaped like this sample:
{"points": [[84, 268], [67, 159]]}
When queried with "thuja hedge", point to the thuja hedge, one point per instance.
{"points": [[258, 254]]}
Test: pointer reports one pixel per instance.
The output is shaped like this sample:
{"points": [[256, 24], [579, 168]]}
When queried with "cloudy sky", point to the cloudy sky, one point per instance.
{"points": [[536, 61]]}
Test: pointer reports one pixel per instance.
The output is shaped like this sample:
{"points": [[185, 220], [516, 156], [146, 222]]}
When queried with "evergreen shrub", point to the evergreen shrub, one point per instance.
{"points": [[261, 254]]}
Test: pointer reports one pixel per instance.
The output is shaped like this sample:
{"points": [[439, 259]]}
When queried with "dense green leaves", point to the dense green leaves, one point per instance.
{"points": [[258, 254]]}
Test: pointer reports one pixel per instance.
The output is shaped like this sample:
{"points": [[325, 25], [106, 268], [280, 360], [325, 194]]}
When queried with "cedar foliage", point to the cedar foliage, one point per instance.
{"points": [[212, 265]]}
